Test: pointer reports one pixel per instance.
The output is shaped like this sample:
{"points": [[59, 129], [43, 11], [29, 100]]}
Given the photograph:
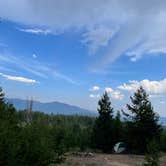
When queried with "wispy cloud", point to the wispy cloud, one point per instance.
{"points": [[18, 79], [99, 23], [97, 37], [35, 67], [36, 31], [2, 68], [94, 88], [28, 65], [94, 96], [64, 77]]}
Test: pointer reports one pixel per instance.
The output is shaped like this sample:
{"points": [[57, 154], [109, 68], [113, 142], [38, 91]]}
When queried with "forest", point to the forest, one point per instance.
{"points": [[39, 139]]}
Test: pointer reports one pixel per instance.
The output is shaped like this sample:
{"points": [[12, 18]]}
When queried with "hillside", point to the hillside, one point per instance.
{"points": [[50, 107]]}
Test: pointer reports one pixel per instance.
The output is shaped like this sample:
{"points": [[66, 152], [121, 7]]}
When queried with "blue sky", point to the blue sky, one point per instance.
{"points": [[72, 52]]}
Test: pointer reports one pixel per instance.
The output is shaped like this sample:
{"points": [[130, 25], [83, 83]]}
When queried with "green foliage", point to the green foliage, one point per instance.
{"points": [[103, 131], [8, 129], [35, 145], [20, 144], [153, 154], [46, 139], [118, 129], [163, 141], [143, 125], [72, 131], [58, 138]]}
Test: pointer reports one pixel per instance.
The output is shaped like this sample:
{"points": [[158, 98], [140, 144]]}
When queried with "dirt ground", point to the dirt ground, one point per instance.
{"points": [[106, 160]]}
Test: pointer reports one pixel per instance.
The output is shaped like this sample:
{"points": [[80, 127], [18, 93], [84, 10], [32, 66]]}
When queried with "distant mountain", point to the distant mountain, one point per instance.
{"points": [[57, 108], [51, 107]]}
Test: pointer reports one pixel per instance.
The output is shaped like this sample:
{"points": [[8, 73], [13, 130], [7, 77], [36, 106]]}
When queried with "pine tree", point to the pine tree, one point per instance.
{"points": [[102, 132], [153, 154], [144, 121], [8, 127], [118, 128], [2, 103]]}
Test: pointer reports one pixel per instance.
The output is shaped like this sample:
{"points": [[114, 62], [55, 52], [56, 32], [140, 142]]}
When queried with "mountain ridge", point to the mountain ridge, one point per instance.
{"points": [[54, 107], [57, 107]]}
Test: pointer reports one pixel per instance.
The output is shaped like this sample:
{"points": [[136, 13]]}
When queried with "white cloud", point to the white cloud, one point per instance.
{"points": [[94, 96], [36, 31], [152, 87], [18, 79], [95, 88], [34, 56], [139, 26], [109, 90], [115, 94]]}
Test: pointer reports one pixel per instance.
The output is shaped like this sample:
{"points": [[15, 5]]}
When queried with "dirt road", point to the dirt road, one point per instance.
{"points": [[107, 160]]}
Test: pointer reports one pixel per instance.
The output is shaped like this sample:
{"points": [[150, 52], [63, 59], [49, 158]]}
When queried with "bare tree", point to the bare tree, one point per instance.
{"points": [[29, 110]]}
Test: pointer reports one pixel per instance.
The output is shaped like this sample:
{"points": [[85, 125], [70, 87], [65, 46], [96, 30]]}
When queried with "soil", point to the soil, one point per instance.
{"points": [[95, 159]]}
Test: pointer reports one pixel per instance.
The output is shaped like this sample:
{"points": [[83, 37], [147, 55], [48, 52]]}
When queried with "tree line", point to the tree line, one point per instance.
{"points": [[46, 138]]}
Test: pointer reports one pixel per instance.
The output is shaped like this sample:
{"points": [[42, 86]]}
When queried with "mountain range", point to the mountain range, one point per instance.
{"points": [[50, 107], [57, 108]]}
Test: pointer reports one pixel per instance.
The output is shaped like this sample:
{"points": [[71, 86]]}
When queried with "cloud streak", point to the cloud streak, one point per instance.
{"points": [[19, 79], [36, 31], [34, 67], [94, 96], [122, 27]]}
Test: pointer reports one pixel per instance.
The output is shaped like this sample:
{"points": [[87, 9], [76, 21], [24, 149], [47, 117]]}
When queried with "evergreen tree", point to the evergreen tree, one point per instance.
{"points": [[102, 131], [2, 103], [22, 144], [153, 154], [144, 125], [8, 131], [118, 128]]}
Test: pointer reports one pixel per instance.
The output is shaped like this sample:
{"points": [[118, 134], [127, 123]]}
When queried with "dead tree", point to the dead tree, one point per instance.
{"points": [[29, 110]]}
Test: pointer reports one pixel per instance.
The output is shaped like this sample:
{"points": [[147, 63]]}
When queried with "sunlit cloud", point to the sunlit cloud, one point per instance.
{"points": [[36, 31], [94, 96], [152, 87], [18, 79], [115, 94], [94, 88]]}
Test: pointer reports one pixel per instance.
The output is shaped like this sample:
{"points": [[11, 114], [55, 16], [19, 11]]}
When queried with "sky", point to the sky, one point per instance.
{"points": [[72, 51]]}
